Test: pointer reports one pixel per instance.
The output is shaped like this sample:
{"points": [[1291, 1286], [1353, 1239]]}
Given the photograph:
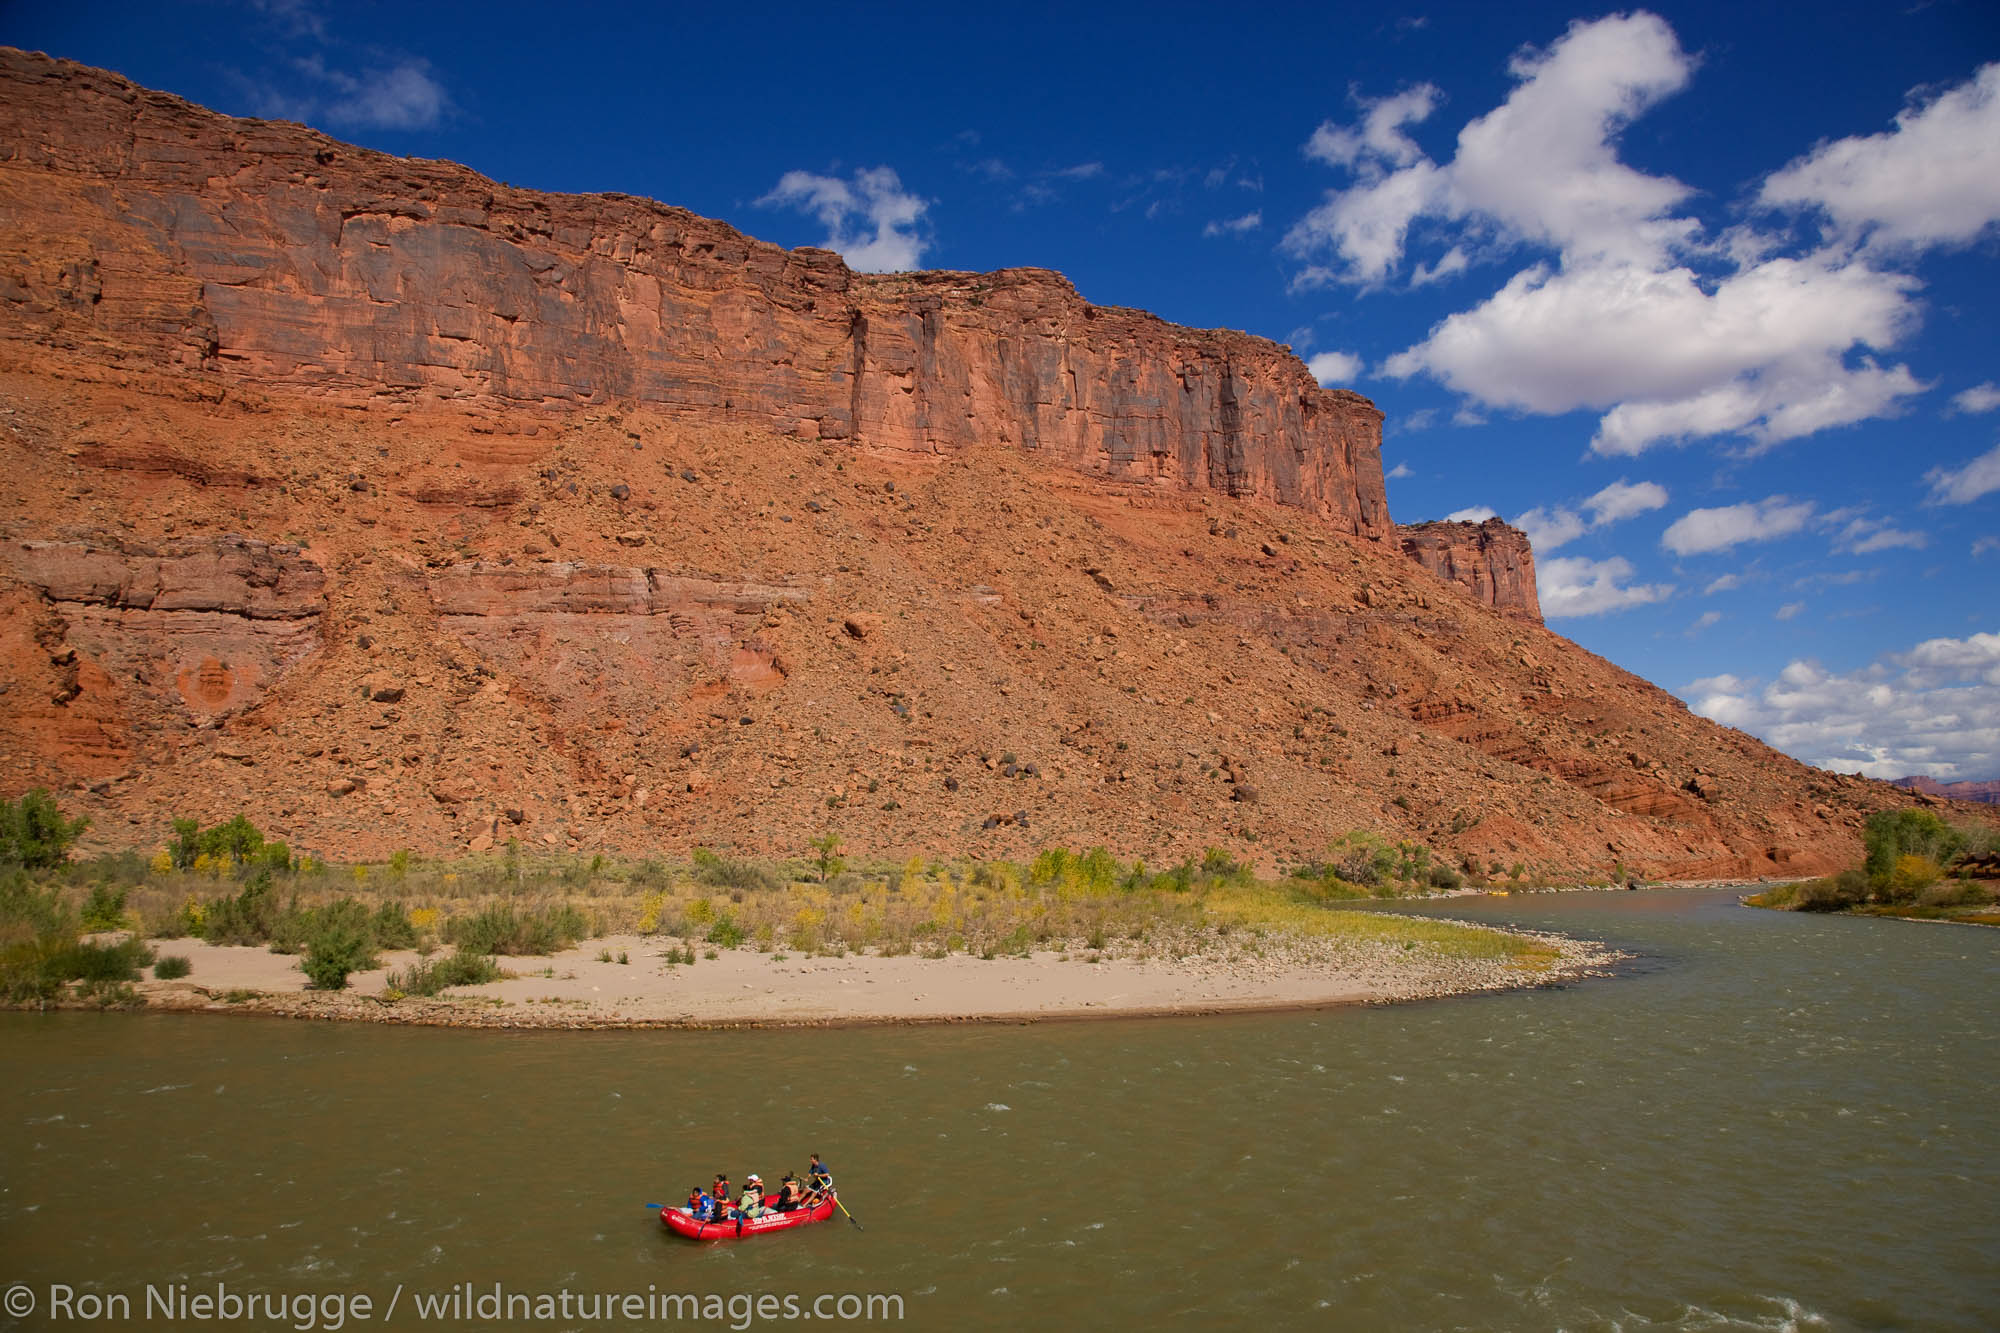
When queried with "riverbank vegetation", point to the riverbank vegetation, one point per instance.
{"points": [[1916, 865], [227, 884]]}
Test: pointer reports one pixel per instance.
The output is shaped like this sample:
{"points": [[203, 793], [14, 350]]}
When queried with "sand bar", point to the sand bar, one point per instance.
{"points": [[746, 988]]}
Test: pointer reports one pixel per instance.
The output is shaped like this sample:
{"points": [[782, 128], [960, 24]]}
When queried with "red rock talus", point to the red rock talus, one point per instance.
{"points": [[272, 254], [1490, 560]]}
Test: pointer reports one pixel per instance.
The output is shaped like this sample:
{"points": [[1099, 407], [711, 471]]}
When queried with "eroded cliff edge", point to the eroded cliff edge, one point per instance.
{"points": [[141, 225], [1492, 561]]}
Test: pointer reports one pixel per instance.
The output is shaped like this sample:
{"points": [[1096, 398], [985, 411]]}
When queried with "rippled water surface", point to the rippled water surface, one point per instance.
{"points": [[1771, 1121]]}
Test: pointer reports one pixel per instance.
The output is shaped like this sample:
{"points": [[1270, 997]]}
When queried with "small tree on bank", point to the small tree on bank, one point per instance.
{"points": [[33, 832], [828, 859]]}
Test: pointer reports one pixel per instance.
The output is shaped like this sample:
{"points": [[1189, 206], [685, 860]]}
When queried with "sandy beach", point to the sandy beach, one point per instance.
{"points": [[745, 988]]}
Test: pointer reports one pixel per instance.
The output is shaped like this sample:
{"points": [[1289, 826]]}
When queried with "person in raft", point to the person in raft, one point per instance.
{"points": [[817, 1174], [789, 1194], [701, 1205], [752, 1202], [720, 1191]]}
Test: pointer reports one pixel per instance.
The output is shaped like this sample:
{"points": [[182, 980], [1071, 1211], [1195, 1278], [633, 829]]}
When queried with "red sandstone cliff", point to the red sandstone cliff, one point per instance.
{"points": [[592, 523], [1490, 560], [269, 253]]}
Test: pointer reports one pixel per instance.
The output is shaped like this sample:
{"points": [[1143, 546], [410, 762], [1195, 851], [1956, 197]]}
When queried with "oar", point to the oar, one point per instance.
{"points": [[843, 1207]]}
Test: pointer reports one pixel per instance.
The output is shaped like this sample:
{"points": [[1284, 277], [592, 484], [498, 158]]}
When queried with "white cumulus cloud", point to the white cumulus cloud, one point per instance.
{"points": [[1577, 586], [1542, 164], [1761, 353], [404, 95], [1622, 500], [1700, 531], [1335, 368], [1550, 527], [872, 222], [1671, 334], [1933, 710], [1249, 222], [1555, 525], [1963, 485], [1861, 534], [1476, 514], [1934, 179], [1979, 398], [1379, 138]]}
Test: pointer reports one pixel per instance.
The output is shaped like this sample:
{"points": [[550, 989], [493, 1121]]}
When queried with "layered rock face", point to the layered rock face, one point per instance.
{"points": [[571, 588], [1492, 561], [272, 254], [133, 642]]}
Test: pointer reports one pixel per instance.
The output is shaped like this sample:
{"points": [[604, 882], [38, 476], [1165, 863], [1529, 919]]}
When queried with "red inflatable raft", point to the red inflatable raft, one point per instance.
{"points": [[682, 1223]]}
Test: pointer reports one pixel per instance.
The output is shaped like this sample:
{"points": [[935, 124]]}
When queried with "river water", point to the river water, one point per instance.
{"points": [[1769, 1121]]}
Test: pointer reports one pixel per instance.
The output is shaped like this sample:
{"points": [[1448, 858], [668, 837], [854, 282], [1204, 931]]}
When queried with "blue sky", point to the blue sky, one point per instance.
{"points": [[1703, 295]]}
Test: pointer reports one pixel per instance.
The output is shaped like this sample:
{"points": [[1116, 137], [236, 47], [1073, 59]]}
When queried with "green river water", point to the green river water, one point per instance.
{"points": [[1767, 1121]]}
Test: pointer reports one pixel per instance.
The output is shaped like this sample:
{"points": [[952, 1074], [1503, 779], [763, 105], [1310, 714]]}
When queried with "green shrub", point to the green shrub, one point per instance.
{"points": [[339, 943], [107, 963], [1836, 893], [253, 916], [1444, 877], [429, 976], [712, 869], [1956, 893], [1219, 867], [33, 832], [392, 929], [104, 909], [39, 959], [235, 838], [126, 868], [503, 929], [726, 932], [291, 929], [172, 967]]}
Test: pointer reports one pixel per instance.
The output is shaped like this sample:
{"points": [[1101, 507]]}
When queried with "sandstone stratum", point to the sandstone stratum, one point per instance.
{"points": [[395, 507]]}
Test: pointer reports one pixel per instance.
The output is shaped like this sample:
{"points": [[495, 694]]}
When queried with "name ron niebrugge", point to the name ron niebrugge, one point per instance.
{"points": [[181, 1302]]}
